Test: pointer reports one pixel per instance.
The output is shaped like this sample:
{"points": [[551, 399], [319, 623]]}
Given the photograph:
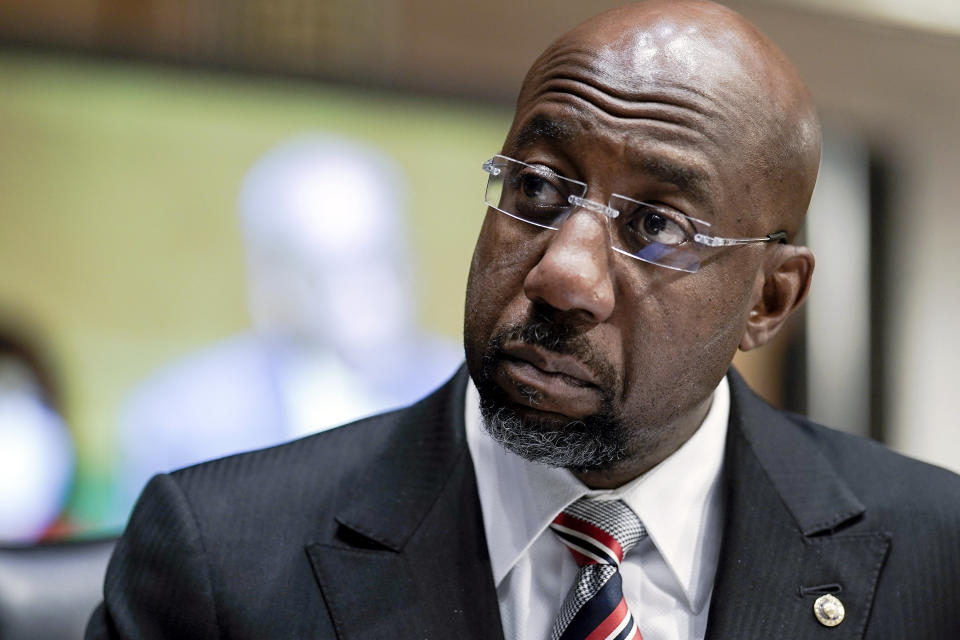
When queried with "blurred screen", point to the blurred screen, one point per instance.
{"points": [[120, 245]]}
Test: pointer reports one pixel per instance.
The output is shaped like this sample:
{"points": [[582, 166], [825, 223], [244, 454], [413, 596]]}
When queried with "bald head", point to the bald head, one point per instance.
{"points": [[692, 60]]}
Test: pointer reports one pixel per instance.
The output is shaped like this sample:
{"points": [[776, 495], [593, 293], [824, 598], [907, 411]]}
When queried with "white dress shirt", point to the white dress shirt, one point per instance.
{"points": [[667, 577]]}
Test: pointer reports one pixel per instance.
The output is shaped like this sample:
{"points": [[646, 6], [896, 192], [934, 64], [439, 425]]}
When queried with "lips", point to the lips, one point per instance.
{"points": [[559, 383], [550, 362]]}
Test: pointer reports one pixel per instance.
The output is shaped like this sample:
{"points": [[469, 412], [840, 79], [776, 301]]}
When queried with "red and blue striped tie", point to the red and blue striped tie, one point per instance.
{"points": [[598, 533]]}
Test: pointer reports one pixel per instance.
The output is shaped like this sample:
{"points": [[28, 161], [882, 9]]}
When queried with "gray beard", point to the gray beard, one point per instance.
{"points": [[574, 446], [593, 443]]}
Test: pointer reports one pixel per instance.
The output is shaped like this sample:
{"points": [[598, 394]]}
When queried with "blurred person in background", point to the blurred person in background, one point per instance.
{"points": [[36, 449], [334, 324]]}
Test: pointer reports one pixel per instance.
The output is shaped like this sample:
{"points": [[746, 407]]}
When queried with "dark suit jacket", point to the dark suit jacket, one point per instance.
{"points": [[374, 530]]}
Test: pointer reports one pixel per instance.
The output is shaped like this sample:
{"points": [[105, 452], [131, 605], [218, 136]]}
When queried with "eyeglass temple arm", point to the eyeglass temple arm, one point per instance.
{"points": [[714, 241]]}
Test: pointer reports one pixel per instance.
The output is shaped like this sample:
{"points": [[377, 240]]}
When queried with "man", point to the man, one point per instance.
{"points": [[320, 352], [639, 232]]}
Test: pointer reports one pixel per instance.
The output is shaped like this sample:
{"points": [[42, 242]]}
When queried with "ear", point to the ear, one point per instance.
{"points": [[781, 289]]}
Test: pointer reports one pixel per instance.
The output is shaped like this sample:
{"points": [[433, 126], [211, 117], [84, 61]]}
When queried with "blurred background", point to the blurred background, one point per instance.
{"points": [[136, 138]]}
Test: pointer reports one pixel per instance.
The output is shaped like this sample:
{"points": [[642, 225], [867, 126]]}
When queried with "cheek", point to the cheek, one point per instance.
{"points": [[497, 270], [681, 340], [716, 329], [495, 285]]}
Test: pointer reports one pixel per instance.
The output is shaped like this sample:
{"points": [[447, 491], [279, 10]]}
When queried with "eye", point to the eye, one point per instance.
{"points": [[654, 223], [532, 185], [664, 226], [540, 190], [535, 194]]}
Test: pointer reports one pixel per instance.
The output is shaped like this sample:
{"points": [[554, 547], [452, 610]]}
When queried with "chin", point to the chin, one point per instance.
{"points": [[595, 442], [592, 443]]}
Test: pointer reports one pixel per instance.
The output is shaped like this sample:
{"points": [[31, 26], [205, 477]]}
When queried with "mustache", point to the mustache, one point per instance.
{"points": [[552, 336], [549, 335]]}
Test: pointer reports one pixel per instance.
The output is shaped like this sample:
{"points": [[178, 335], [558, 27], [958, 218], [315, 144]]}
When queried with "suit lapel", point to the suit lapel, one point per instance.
{"points": [[410, 558], [793, 531]]}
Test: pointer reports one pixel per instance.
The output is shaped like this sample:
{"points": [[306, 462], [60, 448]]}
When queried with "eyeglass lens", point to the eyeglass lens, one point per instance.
{"points": [[540, 197]]}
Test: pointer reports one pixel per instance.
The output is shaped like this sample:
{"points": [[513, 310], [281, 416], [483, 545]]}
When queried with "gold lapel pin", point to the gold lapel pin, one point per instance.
{"points": [[829, 610]]}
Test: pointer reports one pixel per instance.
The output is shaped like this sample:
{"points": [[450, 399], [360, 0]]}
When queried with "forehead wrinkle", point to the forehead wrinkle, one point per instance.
{"points": [[583, 75], [687, 179]]}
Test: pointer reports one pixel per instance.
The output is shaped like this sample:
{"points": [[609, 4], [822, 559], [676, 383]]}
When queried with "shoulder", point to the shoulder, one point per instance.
{"points": [[893, 488], [302, 473], [883, 478]]}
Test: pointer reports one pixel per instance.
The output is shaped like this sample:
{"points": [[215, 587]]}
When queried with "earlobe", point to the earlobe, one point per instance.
{"points": [[780, 291]]}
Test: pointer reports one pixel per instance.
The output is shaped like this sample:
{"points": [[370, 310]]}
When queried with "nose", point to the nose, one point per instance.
{"points": [[575, 272]]}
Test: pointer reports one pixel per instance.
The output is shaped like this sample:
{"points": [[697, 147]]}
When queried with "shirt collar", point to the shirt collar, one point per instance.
{"points": [[678, 501]]}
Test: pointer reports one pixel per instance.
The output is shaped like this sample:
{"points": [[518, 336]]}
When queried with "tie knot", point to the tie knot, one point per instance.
{"points": [[598, 531]]}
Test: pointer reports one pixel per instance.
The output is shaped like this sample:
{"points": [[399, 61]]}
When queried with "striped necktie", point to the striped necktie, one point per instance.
{"points": [[598, 533]]}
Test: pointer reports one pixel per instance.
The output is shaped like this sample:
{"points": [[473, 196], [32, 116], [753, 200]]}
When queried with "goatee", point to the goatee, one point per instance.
{"points": [[592, 443]]}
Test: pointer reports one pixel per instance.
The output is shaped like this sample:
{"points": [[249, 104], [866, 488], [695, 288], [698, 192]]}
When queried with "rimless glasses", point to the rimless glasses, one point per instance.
{"points": [[646, 231]]}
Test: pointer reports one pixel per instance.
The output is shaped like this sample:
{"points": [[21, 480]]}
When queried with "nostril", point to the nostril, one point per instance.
{"points": [[569, 285]]}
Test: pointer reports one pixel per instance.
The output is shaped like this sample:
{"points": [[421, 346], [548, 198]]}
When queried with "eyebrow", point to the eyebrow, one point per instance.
{"points": [[540, 128], [682, 177]]}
